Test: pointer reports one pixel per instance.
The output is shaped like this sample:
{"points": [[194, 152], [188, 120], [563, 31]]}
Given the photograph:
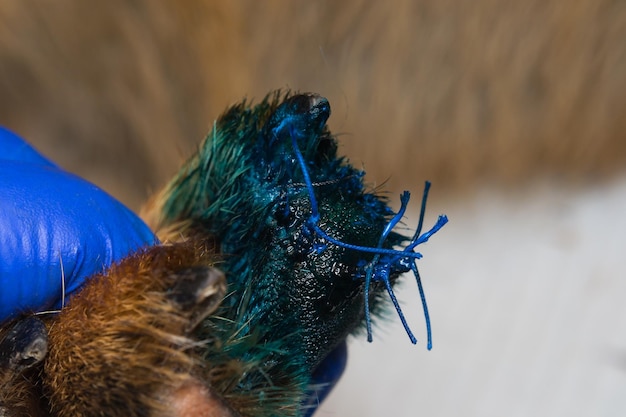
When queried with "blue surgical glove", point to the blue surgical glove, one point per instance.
{"points": [[56, 230], [326, 376]]}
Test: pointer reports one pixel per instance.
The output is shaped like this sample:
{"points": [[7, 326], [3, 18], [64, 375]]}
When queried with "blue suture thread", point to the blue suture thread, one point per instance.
{"points": [[380, 267]]}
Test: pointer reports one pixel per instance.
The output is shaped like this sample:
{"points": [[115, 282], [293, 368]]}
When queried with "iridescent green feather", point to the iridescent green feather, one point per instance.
{"points": [[293, 296]]}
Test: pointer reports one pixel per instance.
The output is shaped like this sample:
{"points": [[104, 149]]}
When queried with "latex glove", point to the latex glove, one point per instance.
{"points": [[326, 376], [56, 230]]}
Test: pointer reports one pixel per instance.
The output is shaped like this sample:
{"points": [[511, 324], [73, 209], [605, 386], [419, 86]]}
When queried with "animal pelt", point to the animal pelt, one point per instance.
{"points": [[273, 252]]}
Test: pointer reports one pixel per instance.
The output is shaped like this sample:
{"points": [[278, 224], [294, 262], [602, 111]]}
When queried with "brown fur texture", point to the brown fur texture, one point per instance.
{"points": [[124, 343], [23, 347], [451, 91], [127, 316], [18, 394]]}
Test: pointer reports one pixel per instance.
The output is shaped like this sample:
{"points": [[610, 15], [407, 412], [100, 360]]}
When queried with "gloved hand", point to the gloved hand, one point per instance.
{"points": [[55, 230]]}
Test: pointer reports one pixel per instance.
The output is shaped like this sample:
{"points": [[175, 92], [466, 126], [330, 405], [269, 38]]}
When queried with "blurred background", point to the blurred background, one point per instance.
{"points": [[513, 109]]}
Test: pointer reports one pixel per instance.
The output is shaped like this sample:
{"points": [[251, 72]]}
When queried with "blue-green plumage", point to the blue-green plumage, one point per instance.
{"points": [[291, 218]]}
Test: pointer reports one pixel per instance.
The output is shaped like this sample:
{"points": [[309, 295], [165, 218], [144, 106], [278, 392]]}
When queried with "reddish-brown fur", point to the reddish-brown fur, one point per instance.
{"points": [[123, 343], [18, 395], [126, 317]]}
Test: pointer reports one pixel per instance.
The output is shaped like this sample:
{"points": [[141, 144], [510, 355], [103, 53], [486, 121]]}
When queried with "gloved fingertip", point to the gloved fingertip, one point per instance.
{"points": [[325, 377], [14, 148]]}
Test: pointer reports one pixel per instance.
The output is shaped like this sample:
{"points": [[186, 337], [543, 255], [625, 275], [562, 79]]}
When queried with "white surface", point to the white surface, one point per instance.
{"points": [[528, 305]]}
